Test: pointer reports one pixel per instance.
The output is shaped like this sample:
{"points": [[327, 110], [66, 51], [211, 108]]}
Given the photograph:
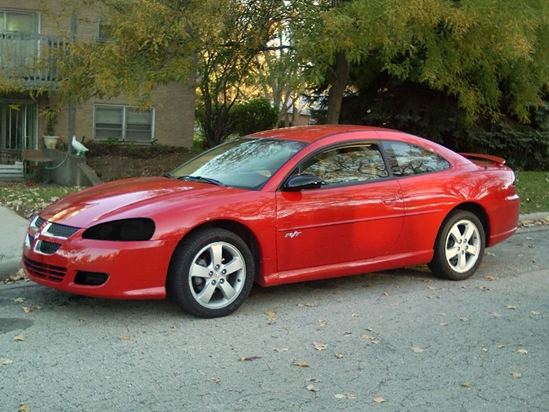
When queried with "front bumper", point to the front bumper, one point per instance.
{"points": [[108, 269]]}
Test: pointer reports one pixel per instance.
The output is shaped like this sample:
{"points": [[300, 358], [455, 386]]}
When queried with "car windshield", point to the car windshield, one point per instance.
{"points": [[245, 163]]}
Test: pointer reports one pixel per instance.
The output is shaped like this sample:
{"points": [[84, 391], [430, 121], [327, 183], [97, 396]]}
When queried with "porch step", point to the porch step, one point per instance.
{"points": [[11, 172]]}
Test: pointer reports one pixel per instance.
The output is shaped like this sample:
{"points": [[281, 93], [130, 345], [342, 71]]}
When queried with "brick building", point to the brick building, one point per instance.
{"points": [[28, 30]]}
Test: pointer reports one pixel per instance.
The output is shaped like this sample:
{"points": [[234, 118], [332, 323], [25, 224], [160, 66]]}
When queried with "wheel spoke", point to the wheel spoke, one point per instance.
{"points": [[455, 233], [462, 261], [452, 252], [469, 232], [473, 250], [227, 290], [234, 265], [216, 252], [205, 294], [200, 271]]}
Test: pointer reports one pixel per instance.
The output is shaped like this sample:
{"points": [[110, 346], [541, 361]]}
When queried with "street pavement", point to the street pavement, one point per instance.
{"points": [[400, 340]]}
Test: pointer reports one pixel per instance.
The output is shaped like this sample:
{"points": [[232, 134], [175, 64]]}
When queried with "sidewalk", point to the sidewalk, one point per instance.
{"points": [[13, 228], [12, 232]]}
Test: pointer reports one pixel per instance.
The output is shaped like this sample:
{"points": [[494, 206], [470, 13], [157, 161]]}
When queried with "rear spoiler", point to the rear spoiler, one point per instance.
{"points": [[476, 156]]}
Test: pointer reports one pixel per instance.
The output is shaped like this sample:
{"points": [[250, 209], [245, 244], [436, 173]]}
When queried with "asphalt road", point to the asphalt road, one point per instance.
{"points": [[392, 341]]}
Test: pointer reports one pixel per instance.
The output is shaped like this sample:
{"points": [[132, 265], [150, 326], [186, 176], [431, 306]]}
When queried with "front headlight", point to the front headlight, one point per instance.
{"points": [[122, 230]]}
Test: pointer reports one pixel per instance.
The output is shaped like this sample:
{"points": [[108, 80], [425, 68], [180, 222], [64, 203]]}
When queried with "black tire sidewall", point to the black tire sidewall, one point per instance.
{"points": [[177, 282]]}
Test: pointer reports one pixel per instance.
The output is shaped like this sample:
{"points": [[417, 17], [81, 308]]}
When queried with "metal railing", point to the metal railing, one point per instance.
{"points": [[30, 58]]}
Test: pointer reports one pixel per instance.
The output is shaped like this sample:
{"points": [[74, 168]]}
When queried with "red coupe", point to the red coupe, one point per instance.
{"points": [[280, 206]]}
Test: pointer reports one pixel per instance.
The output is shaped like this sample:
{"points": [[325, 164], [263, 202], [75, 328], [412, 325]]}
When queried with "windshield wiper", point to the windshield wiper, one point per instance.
{"points": [[201, 179]]}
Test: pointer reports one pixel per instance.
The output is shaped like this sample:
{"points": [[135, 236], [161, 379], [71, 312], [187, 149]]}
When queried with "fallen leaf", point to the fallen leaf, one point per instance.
{"points": [[337, 292], [431, 288], [279, 350], [28, 309], [369, 329], [417, 350], [443, 324], [270, 313], [463, 319], [320, 297], [386, 293], [465, 384], [534, 312], [125, 337], [301, 364], [309, 305], [489, 253], [355, 315], [338, 355], [442, 314], [367, 336], [489, 278], [4, 361], [429, 296], [500, 346], [345, 396], [19, 338], [23, 408], [312, 387], [426, 280], [249, 358], [516, 375], [375, 342], [322, 323], [523, 351], [379, 399], [19, 300], [320, 346], [511, 307]]}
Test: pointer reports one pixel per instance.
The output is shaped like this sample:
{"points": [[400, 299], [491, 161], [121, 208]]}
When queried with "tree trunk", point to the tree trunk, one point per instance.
{"points": [[339, 82]]}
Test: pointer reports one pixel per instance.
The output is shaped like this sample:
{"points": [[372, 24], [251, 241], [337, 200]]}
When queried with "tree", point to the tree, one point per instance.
{"points": [[489, 54]]}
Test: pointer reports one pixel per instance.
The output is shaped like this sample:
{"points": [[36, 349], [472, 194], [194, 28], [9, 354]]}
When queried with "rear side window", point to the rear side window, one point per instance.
{"points": [[409, 160]]}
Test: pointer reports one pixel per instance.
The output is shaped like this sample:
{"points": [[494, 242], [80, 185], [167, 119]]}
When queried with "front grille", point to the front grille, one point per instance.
{"points": [[63, 231], [47, 248], [44, 271], [38, 221]]}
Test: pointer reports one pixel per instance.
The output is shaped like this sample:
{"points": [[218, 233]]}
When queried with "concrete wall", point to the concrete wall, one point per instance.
{"points": [[70, 170]]}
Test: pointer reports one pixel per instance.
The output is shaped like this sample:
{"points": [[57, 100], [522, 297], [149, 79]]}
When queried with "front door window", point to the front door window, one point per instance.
{"points": [[17, 126]]}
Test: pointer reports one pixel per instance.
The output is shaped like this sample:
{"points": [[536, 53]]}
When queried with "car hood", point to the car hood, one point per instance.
{"points": [[136, 197]]}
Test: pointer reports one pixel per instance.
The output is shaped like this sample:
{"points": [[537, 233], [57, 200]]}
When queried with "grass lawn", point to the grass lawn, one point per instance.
{"points": [[533, 189], [28, 199]]}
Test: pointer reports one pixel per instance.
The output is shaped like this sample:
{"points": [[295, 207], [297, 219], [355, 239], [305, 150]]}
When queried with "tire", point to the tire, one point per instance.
{"points": [[459, 246], [211, 273]]}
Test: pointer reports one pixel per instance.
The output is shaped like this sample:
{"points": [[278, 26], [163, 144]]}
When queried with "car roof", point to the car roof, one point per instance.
{"points": [[309, 134]]}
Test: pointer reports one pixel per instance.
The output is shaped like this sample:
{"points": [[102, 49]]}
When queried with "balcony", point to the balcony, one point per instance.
{"points": [[30, 59]]}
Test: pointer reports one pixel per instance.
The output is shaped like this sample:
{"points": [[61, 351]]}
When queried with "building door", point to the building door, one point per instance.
{"points": [[17, 126]]}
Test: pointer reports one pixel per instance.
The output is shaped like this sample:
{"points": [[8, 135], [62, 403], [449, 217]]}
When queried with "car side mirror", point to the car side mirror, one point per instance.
{"points": [[303, 182]]}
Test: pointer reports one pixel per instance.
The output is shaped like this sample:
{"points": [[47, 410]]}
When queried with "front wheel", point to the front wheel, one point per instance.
{"points": [[211, 273], [459, 247]]}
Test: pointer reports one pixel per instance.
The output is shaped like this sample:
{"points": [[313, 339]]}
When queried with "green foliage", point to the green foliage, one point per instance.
{"points": [[254, 116], [490, 55]]}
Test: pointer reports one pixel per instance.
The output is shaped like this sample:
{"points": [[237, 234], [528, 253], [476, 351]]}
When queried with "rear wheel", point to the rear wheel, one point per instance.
{"points": [[211, 273], [459, 247]]}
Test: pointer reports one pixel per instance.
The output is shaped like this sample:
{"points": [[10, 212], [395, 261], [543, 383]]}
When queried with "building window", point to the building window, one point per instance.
{"points": [[123, 123], [17, 22], [103, 30]]}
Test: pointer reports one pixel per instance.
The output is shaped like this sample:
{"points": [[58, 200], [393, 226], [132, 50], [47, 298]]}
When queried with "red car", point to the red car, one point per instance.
{"points": [[280, 206]]}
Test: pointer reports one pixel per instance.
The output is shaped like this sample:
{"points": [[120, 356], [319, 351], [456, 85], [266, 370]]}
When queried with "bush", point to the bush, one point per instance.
{"points": [[254, 116]]}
